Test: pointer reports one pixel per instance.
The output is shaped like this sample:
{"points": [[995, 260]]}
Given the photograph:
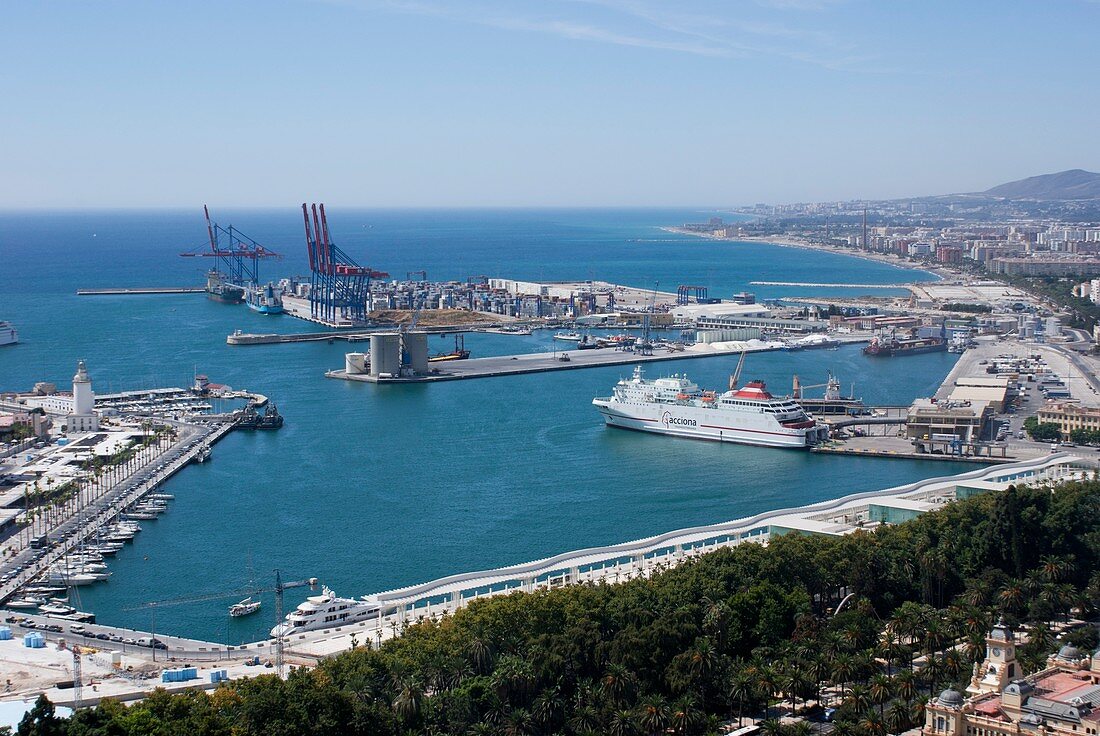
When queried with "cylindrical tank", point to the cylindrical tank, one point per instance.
{"points": [[416, 351], [355, 363], [385, 354]]}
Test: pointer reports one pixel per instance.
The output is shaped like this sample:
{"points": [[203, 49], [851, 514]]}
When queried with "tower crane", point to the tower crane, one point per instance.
{"points": [[279, 588], [646, 348]]}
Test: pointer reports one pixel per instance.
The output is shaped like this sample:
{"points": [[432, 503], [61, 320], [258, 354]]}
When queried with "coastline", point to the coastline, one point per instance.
{"points": [[787, 241]]}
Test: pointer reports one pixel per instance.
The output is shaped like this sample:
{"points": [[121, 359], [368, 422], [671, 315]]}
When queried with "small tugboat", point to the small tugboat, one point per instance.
{"points": [[244, 608], [252, 419]]}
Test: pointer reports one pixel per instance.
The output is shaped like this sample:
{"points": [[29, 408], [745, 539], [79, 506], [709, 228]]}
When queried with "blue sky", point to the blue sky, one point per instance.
{"points": [[551, 102]]}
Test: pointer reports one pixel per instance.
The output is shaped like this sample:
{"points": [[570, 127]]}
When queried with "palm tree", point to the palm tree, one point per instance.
{"points": [[905, 684], [702, 659], [654, 715], [584, 718], [547, 707], [684, 715], [897, 717], [766, 687], [818, 671], [881, 690], [859, 698], [916, 709], [872, 724], [1055, 569], [740, 690], [1010, 598], [622, 723], [518, 723], [933, 668], [843, 670], [409, 700], [771, 727], [481, 654], [617, 683]]}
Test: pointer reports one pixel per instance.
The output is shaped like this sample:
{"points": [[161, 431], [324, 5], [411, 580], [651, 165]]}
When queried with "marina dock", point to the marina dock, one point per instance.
{"points": [[509, 365], [138, 290], [74, 531]]}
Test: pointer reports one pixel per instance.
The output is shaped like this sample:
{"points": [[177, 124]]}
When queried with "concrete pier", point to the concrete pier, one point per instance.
{"points": [[142, 290], [510, 365]]}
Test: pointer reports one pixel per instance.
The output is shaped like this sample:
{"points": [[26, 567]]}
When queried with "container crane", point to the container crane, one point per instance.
{"points": [[340, 286], [237, 255]]}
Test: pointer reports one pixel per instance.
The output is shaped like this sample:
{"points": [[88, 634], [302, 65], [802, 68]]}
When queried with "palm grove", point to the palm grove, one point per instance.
{"points": [[742, 632]]}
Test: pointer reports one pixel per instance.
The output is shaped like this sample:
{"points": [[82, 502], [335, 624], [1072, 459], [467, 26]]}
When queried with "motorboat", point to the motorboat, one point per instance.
{"points": [[244, 608]]}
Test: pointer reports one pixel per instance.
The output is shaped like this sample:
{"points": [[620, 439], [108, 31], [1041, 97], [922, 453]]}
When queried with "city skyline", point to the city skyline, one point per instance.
{"points": [[564, 103]]}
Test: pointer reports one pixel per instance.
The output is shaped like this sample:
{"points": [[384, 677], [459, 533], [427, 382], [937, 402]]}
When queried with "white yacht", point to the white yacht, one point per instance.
{"points": [[325, 611], [8, 335]]}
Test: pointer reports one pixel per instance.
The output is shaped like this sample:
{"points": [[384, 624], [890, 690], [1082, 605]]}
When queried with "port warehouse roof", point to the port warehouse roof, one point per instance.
{"points": [[839, 516], [988, 381], [995, 396]]}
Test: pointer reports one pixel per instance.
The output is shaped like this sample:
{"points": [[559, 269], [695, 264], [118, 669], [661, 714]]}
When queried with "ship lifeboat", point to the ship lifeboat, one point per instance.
{"points": [[709, 396], [682, 397]]}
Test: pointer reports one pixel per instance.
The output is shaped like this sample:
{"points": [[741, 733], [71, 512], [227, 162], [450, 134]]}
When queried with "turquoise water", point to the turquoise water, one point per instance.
{"points": [[370, 487]]}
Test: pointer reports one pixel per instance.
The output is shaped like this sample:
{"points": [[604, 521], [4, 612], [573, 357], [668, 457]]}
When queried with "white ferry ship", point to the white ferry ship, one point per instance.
{"points": [[676, 406], [325, 611]]}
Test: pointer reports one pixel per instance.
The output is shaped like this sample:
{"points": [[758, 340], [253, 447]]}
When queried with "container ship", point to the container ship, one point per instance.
{"points": [[894, 346], [265, 300], [222, 291], [676, 406]]}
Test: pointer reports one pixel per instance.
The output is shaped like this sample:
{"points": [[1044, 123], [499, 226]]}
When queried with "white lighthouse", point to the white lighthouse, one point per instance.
{"points": [[83, 417]]}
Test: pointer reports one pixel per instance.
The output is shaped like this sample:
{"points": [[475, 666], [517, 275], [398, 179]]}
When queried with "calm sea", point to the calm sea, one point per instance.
{"points": [[368, 487]]}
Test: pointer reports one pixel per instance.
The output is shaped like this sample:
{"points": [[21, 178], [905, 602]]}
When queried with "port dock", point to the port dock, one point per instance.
{"points": [[142, 290], [510, 365], [72, 532]]}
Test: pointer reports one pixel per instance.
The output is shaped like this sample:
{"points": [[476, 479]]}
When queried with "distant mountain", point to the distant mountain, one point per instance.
{"points": [[1072, 184]]}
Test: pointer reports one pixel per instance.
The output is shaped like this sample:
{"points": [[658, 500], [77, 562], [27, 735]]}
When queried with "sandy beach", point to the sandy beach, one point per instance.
{"points": [[792, 242]]}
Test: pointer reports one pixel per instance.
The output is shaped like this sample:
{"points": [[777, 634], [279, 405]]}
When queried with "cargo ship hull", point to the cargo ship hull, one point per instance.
{"points": [[888, 351]]}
